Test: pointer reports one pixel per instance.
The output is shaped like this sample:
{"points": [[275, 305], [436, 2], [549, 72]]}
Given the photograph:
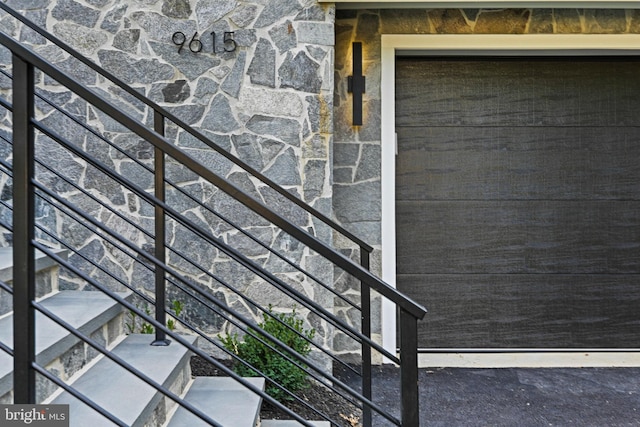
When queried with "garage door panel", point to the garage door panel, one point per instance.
{"points": [[528, 311], [491, 93], [518, 201], [518, 163], [578, 237]]}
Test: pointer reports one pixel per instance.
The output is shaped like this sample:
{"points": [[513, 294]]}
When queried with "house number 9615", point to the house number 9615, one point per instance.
{"points": [[196, 45]]}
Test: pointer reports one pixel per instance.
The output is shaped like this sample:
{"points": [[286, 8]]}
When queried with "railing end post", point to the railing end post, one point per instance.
{"points": [[409, 369], [24, 320]]}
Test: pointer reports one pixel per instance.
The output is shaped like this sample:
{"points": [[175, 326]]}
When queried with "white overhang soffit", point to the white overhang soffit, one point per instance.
{"points": [[537, 4]]}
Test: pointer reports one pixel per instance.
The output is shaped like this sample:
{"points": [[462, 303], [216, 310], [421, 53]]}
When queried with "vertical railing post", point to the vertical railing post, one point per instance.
{"points": [[160, 245], [365, 291], [24, 322], [409, 369]]}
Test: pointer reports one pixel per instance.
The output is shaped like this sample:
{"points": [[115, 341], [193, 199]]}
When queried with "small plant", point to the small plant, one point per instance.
{"points": [[131, 322], [145, 327], [288, 328], [134, 325], [176, 307]]}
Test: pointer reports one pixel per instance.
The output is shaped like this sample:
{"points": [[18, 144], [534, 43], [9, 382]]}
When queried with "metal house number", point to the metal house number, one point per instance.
{"points": [[195, 45]]}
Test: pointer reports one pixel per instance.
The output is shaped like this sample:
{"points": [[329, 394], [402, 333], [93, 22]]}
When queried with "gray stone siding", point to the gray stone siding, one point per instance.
{"points": [[269, 102]]}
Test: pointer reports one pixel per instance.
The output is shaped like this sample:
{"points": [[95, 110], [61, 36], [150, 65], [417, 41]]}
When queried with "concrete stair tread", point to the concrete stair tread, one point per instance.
{"points": [[46, 275], [42, 261], [291, 423], [85, 311], [121, 393], [225, 400]]}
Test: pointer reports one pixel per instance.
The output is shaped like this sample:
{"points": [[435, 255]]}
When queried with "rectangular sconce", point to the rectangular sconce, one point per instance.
{"points": [[356, 83]]}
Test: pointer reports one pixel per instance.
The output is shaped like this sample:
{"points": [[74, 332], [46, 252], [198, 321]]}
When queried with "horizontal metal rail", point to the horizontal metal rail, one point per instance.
{"points": [[6, 349], [6, 287], [6, 168], [3, 224], [81, 397], [5, 104], [94, 264]]}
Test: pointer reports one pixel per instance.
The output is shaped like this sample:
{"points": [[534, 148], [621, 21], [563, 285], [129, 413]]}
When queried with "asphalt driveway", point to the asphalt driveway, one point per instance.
{"points": [[520, 397]]}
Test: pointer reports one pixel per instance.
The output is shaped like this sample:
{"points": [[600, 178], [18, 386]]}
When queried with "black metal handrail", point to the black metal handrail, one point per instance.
{"points": [[187, 195], [168, 148], [88, 219], [210, 239], [173, 282], [26, 189]]}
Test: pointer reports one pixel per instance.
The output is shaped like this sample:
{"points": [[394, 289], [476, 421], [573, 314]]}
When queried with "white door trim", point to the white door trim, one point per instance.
{"points": [[477, 45]]}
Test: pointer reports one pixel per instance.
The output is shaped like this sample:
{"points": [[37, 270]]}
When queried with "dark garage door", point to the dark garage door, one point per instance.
{"points": [[518, 201]]}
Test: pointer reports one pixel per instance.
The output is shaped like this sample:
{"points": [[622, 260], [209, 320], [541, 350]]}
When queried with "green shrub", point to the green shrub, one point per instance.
{"points": [[270, 363]]}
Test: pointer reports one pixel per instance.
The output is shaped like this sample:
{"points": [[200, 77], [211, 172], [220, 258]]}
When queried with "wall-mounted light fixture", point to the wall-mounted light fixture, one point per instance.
{"points": [[356, 83]]}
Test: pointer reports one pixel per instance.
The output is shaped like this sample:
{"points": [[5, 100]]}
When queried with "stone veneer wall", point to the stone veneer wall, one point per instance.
{"points": [[356, 161], [269, 102]]}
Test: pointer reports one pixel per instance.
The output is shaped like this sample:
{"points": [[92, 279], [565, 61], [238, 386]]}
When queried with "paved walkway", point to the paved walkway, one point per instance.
{"points": [[598, 397]]}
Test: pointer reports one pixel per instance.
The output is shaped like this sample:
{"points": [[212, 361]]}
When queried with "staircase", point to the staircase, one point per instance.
{"points": [[128, 399], [151, 220]]}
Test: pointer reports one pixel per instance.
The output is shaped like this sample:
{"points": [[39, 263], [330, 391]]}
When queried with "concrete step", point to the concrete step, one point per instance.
{"points": [[92, 313], [290, 423], [46, 275], [121, 393], [223, 399]]}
